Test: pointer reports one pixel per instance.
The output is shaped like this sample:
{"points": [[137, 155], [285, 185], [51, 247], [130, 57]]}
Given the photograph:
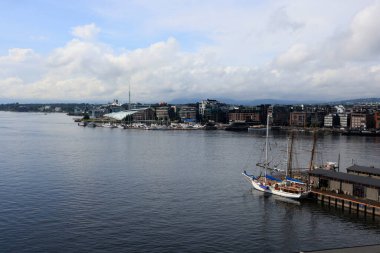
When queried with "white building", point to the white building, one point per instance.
{"points": [[343, 119], [328, 120]]}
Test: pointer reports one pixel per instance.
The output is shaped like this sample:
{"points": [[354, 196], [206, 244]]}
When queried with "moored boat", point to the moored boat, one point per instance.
{"points": [[287, 187], [237, 127]]}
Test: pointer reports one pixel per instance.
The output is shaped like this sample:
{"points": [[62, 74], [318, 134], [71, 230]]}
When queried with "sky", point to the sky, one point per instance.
{"points": [[165, 50]]}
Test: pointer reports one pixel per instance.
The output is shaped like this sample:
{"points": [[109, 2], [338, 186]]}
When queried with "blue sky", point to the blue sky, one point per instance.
{"points": [[91, 50]]}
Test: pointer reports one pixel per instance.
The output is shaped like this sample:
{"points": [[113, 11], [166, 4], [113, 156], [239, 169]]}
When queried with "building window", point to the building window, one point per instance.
{"points": [[358, 190], [323, 183]]}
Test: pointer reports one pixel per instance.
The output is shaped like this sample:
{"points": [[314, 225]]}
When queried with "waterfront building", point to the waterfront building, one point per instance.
{"points": [[143, 115], [211, 110], [316, 118], [377, 119], [370, 120], [343, 120], [263, 109], [298, 119], [364, 171], [206, 106], [345, 184], [358, 120], [188, 113], [162, 113], [331, 120], [245, 114], [280, 115]]}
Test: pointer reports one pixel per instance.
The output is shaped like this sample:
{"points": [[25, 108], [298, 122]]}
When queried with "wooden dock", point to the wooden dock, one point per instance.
{"points": [[349, 203]]}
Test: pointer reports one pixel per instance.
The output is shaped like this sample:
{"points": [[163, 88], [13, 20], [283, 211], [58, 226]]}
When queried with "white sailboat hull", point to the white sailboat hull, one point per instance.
{"points": [[257, 185], [269, 189]]}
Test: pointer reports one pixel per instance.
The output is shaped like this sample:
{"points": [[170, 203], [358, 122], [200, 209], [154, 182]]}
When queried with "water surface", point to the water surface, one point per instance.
{"points": [[65, 188]]}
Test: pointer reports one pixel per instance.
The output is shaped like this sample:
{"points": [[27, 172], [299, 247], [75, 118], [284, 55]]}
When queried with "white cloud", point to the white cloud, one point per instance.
{"points": [[243, 60], [18, 55], [361, 41], [280, 21], [294, 56], [87, 32]]}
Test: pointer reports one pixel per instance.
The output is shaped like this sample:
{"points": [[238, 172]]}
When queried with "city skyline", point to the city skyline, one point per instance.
{"points": [[243, 50]]}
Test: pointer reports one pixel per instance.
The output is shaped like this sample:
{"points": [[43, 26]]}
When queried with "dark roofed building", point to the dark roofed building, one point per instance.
{"points": [[345, 183], [364, 171]]}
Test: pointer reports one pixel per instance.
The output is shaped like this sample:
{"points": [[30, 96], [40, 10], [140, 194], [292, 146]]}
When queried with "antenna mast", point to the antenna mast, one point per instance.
{"points": [[129, 95]]}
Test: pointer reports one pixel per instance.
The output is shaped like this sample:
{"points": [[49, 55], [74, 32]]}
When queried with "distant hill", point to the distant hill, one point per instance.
{"points": [[357, 101], [221, 99], [243, 102], [269, 101], [277, 101]]}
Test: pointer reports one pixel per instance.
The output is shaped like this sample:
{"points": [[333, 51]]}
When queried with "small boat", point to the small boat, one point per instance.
{"points": [[256, 127], [210, 126], [109, 125], [237, 127]]}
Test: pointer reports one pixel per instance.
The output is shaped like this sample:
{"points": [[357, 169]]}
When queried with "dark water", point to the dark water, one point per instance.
{"points": [[65, 188]]}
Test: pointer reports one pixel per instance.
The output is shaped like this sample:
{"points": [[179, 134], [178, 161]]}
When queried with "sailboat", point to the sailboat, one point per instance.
{"points": [[288, 188]]}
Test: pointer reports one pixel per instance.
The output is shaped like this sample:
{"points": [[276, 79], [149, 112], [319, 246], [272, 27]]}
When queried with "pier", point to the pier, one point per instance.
{"points": [[347, 203]]}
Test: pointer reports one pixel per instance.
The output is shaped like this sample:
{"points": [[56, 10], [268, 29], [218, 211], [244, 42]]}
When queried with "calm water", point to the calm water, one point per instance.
{"points": [[65, 188]]}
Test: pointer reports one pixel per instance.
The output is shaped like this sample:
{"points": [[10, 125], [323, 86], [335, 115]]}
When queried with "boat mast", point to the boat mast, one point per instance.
{"points": [[289, 169], [266, 148], [312, 159], [313, 151], [287, 158]]}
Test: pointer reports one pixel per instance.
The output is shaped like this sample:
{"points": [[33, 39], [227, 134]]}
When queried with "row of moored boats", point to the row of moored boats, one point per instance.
{"points": [[173, 126]]}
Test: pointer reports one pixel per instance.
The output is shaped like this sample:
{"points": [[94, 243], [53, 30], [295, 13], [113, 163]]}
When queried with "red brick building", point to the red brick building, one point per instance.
{"points": [[377, 119], [298, 119], [239, 116]]}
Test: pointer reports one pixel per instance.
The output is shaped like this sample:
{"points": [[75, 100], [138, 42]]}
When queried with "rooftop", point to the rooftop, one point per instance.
{"points": [[364, 169], [368, 181]]}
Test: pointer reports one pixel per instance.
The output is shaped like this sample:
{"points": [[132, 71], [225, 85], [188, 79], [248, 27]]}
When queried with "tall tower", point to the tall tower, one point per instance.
{"points": [[129, 95]]}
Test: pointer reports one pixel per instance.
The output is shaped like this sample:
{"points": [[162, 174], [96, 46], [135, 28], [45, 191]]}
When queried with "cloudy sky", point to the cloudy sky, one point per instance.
{"points": [[91, 50]]}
